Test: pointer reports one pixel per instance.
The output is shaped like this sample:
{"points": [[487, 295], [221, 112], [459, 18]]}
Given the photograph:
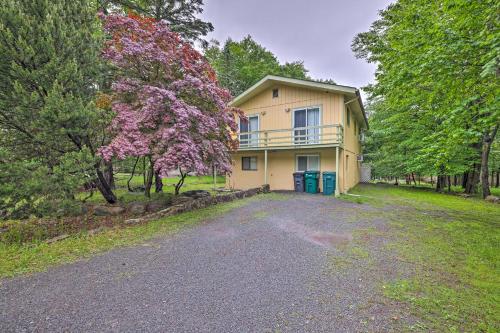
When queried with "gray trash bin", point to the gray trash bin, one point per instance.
{"points": [[298, 181]]}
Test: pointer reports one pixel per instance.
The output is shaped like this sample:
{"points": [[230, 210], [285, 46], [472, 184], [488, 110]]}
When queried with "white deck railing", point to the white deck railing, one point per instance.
{"points": [[292, 138]]}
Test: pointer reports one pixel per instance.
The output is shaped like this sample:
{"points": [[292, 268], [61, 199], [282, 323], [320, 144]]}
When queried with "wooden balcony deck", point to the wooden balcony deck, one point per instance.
{"points": [[292, 138]]}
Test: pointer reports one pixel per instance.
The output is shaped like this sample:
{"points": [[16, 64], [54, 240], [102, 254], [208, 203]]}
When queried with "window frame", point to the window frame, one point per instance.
{"points": [[307, 167], [258, 129], [305, 141], [277, 92], [348, 116], [250, 163]]}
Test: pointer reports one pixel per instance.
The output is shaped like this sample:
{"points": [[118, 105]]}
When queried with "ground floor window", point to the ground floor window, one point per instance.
{"points": [[249, 163], [307, 163]]}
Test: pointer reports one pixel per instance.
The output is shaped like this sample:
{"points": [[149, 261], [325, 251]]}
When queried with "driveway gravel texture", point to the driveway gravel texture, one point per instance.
{"points": [[303, 263]]}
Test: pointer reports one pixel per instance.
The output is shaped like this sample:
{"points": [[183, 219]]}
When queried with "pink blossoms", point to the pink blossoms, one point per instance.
{"points": [[167, 101]]}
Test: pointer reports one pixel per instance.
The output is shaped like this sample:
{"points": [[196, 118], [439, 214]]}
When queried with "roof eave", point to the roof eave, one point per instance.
{"points": [[243, 97]]}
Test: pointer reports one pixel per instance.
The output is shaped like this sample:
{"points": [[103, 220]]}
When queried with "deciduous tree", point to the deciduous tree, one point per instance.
{"points": [[436, 85], [241, 64], [169, 106]]}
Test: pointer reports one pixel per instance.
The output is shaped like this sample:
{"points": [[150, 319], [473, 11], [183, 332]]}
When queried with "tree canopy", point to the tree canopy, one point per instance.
{"points": [[241, 64], [435, 100], [168, 104], [50, 74], [181, 15]]}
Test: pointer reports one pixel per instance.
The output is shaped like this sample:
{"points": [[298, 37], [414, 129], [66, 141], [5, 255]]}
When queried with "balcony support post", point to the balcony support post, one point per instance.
{"points": [[337, 191], [265, 167]]}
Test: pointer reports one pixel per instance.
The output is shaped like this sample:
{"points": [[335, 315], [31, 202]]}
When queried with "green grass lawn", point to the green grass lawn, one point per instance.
{"points": [[453, 243], [455, 189], [124, 196], [17, 259]]}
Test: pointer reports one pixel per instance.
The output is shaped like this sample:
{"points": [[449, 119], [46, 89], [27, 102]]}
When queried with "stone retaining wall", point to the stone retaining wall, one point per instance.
{"points": [[189, 204]]}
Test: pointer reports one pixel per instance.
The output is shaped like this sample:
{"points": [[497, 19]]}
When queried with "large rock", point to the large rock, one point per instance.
{"points": [[108, 210], [137, 208], [181, 199], [155, 206], [493, 199], [196, 194]]}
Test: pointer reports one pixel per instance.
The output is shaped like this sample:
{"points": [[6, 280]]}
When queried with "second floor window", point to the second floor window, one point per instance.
{"points": [[306, 124], [251, 124]]}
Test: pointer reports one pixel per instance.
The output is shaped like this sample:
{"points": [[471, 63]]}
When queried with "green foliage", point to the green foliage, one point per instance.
{"points": [[50, 128], [436, 94], [239, 65], [181, 15], [31, 188], [452, 245]]}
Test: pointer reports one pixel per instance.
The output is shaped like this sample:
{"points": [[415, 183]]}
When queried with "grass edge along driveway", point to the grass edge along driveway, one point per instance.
{"points": [[39, 256], [453, 246]]}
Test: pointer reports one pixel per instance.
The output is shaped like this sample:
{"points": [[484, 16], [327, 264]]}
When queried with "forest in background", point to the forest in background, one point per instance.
{"points": [[434, 106]]}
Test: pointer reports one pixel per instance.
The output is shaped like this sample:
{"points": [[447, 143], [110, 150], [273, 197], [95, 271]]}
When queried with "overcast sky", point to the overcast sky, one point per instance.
{"points": [[319, 32]]}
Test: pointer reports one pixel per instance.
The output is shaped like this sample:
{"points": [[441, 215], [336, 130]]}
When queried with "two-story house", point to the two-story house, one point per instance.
{"points": [[297, 125]]}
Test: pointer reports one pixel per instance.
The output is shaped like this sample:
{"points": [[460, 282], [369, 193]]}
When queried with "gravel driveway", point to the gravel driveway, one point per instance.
{"points": [[305, 263]]}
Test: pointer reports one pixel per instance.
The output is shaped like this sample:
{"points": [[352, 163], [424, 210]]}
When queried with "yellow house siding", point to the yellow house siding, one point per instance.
{"points": [[276, 113], [245, 179], [352, 149], [281, 166]]}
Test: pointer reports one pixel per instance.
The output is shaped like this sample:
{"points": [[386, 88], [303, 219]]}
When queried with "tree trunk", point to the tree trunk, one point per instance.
{"points": [[132, 175], [440, 183], [464, 179], [449, 183], [180, 182], [149, 179], [485, 154], [413, 177], [455, 180], [103, 186], [498, 179], [158, 182], [144, 171], [108, 172], [473, 179]]}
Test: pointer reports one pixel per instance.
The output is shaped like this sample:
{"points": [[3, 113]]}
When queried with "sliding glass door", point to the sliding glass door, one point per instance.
{"points": [[306, 124]]}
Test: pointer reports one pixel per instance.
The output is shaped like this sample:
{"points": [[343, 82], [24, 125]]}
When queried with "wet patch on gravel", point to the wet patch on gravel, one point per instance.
{"points": [[306, 263]]}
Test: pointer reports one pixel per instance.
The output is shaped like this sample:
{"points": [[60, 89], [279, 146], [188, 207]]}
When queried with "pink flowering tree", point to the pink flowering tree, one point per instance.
{"points": [[168, 104]]}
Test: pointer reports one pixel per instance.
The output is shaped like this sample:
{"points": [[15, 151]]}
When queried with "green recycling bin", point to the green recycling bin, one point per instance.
{"points": [[328, 183], [312, 181]]}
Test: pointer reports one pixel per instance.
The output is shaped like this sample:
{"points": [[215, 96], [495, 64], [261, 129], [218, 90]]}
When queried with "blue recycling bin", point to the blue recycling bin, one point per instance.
{"points": [[298, 181]]}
